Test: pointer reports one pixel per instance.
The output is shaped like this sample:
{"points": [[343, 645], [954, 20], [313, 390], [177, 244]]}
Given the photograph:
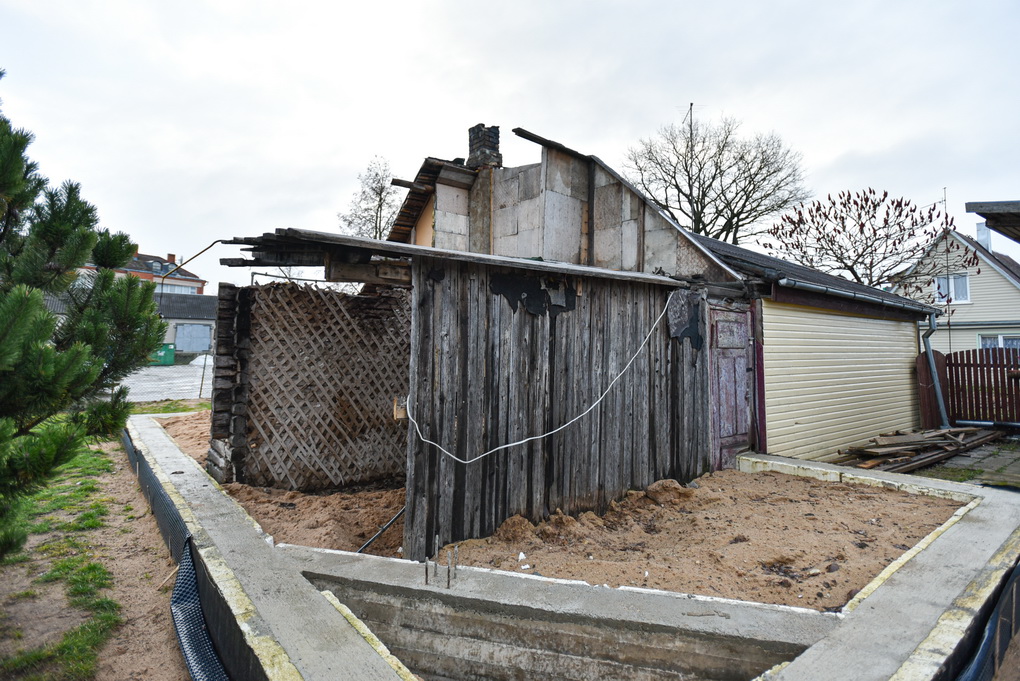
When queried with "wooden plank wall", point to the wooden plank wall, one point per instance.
{"points": [[926, 398], [483, 375]]}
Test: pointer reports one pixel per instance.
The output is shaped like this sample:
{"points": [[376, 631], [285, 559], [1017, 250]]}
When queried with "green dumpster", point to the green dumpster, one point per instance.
{"points": [[162, 357]]}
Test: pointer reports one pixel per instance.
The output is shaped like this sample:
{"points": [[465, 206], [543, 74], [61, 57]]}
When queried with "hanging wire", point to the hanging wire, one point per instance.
{"points": [[587, 411]]}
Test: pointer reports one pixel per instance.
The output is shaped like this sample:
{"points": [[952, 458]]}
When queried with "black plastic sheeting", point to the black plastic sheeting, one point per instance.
{"points": [[1005, 620], [185, 607]]}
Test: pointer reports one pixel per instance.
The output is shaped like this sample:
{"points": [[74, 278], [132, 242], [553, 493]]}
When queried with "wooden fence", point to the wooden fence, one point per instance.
{"points": [[977, 385], [499, 355], [306, 382]]}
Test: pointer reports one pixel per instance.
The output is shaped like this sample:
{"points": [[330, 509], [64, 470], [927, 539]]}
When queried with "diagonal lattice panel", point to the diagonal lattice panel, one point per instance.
{"points": [[324, 369]]}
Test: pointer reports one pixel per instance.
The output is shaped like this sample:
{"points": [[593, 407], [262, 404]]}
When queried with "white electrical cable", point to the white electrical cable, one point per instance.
{"points": [[556, 430]]}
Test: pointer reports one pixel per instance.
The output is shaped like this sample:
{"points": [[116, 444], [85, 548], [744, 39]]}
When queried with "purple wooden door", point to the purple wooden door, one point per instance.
{"points": [[731, 381]]}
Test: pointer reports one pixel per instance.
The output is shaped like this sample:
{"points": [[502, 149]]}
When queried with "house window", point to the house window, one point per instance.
{"points": [[953, 288], [175, 288], [1011, 342]]}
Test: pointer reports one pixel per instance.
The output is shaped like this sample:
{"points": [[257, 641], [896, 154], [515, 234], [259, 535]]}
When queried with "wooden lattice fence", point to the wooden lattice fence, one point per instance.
{"points": [[321, 371]]}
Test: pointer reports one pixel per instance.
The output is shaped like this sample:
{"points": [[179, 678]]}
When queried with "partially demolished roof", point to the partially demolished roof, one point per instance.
{"points": [[456, 173], [432, 171], [387, 262], [1002, 216]]}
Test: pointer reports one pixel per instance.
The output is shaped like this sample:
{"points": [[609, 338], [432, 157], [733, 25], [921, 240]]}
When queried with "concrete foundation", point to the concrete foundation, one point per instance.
{"points": [[914, 622], [495, 625]]}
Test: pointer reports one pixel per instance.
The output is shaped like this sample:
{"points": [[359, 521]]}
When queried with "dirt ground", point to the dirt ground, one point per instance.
{"points": [[130, 547], [761, 537]]}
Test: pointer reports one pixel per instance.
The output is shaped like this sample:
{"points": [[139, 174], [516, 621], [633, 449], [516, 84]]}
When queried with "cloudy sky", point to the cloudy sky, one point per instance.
{"points": [[194, 121]]}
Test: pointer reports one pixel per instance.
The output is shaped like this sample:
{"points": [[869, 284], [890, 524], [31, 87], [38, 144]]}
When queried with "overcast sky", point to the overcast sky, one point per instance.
{"points": [[193, 121]]}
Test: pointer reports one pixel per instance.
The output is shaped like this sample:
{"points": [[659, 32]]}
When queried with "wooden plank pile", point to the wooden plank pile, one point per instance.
{"points": [[905, 451]]}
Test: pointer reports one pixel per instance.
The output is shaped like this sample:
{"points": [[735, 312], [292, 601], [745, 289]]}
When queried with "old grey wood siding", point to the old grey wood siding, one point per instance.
{"points": [[483, 375]]}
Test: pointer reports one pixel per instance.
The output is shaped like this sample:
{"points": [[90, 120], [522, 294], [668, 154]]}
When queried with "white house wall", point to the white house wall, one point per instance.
{"points": [[993, 297], [954, 339], [834, 380]]}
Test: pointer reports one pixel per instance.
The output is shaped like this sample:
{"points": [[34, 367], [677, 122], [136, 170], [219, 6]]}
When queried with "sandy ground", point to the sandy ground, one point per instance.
{"points": [[764, 537]]}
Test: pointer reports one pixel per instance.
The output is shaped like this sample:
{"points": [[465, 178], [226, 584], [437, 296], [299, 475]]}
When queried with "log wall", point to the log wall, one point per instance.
{"points": [[498, 355]]}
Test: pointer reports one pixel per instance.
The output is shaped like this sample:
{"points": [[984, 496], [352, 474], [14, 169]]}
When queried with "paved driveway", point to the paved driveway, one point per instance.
{"points": [[999, 463], [178, 382]]}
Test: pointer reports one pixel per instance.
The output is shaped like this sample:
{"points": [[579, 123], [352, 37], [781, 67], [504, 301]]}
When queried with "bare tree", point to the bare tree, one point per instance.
{"points": [[712, 181], [374, 207], [872, 239]]}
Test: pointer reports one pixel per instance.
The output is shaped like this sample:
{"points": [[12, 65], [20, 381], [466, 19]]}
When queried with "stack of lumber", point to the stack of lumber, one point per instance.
{"points": [[901, 452]]}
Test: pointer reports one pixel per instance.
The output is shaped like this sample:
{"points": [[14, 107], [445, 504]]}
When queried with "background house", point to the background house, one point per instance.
{"points": [[168, 276], [190, 317], [980, 301]]}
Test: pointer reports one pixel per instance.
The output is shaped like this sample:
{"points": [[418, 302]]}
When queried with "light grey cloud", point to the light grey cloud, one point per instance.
{"points": [[187, 123]]}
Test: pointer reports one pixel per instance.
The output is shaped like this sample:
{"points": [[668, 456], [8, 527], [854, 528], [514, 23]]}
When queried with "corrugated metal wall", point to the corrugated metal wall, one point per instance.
{"points": [[832, 380]]}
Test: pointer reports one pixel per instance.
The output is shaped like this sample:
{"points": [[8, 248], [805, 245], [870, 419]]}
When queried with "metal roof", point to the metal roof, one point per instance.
{"points": [[186, 306], [788, 274], [170, 305]]}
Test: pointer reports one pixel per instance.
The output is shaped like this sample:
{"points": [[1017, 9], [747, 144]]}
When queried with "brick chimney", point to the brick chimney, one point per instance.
{"points": [[171, 258], [483, 147]]}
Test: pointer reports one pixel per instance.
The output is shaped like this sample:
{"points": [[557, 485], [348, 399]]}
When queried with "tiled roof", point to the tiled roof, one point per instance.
{"points": [[144, 263], [1006, 264]]}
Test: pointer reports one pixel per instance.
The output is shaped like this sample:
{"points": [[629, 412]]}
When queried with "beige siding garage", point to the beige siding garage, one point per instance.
{"points": [[832, 380]]}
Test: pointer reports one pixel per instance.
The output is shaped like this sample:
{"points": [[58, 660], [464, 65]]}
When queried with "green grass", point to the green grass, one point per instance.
{"points": [[66, 512], [169, 406], [947, 473]]}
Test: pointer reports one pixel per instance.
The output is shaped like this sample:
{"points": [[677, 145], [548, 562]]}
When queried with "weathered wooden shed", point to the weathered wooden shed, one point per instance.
{"points": [[555, 300], [831, 361], [499, 350]]}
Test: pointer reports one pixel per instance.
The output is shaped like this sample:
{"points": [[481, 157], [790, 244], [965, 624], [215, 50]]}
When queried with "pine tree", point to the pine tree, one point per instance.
{"points": [[71, 367]]}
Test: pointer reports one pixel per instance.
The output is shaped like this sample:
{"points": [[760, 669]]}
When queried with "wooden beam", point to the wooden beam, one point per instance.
{"points": [[413, 186], [386, 272]]}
